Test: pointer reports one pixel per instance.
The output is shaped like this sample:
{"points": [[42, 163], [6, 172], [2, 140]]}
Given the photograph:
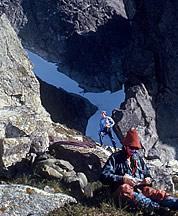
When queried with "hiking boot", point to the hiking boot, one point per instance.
{"points": [[171, 203]]}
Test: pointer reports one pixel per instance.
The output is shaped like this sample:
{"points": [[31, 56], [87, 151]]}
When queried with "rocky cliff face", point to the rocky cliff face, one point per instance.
{"points": [[152, 60], [20, 102], [66, 108], [24, 123], [85, 38], [103, 44]]}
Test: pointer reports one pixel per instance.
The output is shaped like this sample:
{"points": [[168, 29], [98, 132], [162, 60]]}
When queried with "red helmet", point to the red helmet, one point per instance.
{"points": [[132, 139]]}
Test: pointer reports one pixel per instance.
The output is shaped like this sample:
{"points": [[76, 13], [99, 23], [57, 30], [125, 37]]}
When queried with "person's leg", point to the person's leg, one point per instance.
{"points": [[145, 203], [153, 194], [101, 135], [160, 196], [126, 193], [112, 138], [170, 202]]}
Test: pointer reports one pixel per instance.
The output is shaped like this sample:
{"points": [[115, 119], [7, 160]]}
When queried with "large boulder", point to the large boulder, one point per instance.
{"points": [[24, 123], [86, 157], [49, 167], [20, 107], [138, 112], [66, 108], [27, 200]]}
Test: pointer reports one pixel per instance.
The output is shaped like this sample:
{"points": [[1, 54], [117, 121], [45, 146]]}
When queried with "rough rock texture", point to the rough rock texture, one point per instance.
{"points": [[152, 60], [102, 44], [163, 174], [85, 38], [49, 167], [26, 200], [66, 108], [14, 12], [84, 159], [20, 105], [23, 120]]}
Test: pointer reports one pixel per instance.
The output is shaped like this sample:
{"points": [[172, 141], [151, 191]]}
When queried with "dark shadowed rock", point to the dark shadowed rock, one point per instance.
{"points": [[84, 38], [66, 108], [154, 43]]}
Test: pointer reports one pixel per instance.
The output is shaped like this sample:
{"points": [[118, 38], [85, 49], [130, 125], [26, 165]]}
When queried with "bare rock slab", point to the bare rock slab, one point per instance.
{"points": [[26, 200]]}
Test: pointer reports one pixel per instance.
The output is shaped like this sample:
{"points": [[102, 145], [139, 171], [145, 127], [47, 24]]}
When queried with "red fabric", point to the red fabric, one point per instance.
{"points": [[153, 194], [126, 191], [135, 167], [132, 139]]}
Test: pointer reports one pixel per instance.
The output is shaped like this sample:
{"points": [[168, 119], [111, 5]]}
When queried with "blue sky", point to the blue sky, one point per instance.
{"points": [[104, 101]]}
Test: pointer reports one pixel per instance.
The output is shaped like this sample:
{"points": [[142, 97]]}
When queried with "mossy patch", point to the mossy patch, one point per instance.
{"points": [[30, 191]]}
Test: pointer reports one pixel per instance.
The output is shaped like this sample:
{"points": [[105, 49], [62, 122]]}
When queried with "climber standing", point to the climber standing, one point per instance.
{"points": [[130, 179], [106, 123]]}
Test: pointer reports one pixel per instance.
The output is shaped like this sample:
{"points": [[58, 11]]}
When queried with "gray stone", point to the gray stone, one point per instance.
{"points": [[86, 160], [39, 141], [81, 20], [137, 112], [58, 103], [49, 189], [24, 123], [20, 102], [26, 200], [13, 150], [135, 43]]}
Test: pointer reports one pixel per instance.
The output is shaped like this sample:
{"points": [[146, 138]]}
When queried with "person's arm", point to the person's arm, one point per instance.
{"points": [[110, 122], [108, 176], [147, 176]]}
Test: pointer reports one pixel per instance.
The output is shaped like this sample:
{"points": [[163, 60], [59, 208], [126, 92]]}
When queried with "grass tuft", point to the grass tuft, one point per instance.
{"points": [[101, 204]]}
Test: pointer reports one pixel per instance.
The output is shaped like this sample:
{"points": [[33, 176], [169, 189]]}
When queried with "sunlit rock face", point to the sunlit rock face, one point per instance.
{"points": [[103, 44], [27, 200], [23, 119], [20, 107]]}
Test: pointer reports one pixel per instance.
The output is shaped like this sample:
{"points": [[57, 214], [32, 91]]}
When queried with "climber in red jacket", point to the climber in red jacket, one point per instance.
{"points": [[130, 179]]}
